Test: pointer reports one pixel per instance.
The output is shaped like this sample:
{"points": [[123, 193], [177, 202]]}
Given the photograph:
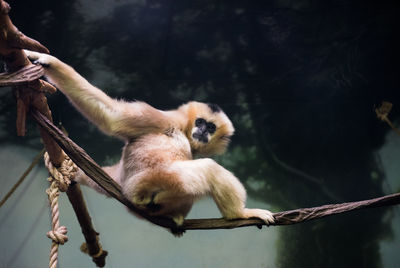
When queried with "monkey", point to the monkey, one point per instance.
{"points": [[165, 164]]}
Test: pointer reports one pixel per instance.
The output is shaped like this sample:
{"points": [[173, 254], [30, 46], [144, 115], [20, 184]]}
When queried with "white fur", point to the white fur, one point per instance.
{"points": [[156, 171]]}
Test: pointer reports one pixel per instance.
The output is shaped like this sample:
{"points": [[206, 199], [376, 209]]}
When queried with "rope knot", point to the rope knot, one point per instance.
{"points": [[52, 191], [58, 235], [60, 180], [64, 174]]}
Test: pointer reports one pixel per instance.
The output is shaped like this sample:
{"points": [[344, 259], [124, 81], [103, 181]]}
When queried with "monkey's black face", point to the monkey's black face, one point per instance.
{"points": [[203, 130]]}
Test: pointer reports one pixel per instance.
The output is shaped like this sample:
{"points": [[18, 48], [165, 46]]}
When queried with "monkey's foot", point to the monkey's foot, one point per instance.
{"points": [[146, 202], [262, 214], [177, 232]]}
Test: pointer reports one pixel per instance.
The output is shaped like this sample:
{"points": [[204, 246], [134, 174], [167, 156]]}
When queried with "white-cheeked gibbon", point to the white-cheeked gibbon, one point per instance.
{"points": [[157, 171]]}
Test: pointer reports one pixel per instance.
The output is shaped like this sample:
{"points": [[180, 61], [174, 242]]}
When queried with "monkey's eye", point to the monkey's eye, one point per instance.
{"points": [[211, 128], [199, 122]]}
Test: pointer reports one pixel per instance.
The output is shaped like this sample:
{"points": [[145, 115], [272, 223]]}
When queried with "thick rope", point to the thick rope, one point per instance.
{"points": [[63, 174], [59, 180]]}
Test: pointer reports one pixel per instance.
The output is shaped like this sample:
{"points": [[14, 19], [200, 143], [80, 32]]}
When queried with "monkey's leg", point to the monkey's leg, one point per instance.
{"points": [[112, 171], [205, 176], [159, 192]]}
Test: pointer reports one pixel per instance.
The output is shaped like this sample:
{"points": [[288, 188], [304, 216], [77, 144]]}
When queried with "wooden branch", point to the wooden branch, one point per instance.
{"points": [[23, 103], [96, 173], [75, 196], [26, 74], [39, 102], [13, 40], [23, 77]]}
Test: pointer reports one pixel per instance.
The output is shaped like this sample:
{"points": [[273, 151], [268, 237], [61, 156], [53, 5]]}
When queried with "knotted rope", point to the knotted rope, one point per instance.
{"points": [[59, 180]]}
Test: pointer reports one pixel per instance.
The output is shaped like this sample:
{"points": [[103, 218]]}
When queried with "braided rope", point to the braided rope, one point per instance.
{"points": [[59, 181], [63, 174]]}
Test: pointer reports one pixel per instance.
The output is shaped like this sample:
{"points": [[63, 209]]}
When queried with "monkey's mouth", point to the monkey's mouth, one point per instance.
{"points": [[200, 137]]}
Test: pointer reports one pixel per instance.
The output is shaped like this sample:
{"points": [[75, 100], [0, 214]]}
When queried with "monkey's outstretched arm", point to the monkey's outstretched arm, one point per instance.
{"points": [[117, 118]]}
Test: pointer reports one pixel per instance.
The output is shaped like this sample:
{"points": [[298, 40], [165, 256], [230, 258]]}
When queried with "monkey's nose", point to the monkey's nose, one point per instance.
{"points": [[200, 137]]}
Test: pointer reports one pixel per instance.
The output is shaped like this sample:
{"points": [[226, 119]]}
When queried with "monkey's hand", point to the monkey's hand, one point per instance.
{"points": [[262, 214], [39, 58]]}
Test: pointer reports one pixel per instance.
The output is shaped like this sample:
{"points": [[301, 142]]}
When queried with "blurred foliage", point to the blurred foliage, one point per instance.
{"points": [[300, 80]]}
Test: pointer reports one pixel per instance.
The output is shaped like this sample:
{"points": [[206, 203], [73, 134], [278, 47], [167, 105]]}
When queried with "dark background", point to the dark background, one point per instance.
{"points": [[300, 80]]}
